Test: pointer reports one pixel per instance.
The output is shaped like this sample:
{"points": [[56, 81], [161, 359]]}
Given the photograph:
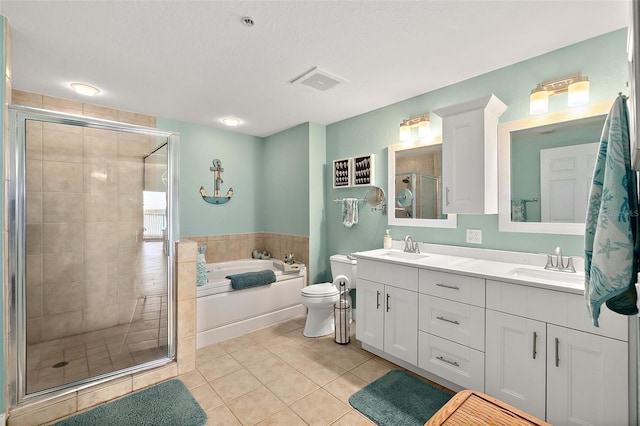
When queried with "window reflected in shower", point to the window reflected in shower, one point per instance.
{"points": [[417, 196], [96, 275]]}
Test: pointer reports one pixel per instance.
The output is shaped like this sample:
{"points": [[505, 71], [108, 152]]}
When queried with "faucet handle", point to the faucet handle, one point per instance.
{"points": [[549, 264], [569, 266]]}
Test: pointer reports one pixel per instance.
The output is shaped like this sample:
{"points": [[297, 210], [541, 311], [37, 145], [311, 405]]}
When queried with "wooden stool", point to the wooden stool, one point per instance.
{"points": [[468, 408]]}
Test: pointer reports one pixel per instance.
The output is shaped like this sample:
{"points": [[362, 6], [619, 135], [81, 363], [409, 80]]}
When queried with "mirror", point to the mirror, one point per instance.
{"points": [[545, 168], [374, 197], [414, 185]]}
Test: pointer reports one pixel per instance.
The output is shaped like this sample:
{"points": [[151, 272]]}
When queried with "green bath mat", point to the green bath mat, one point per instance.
{"points": [[166, 404], [398, 399]]}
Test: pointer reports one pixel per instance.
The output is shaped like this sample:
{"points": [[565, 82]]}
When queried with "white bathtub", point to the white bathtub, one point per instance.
{"points": [[224, 313]]}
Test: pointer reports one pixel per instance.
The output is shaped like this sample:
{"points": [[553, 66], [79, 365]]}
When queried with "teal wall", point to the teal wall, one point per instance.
{"points": [[285, 182], [242, 160], [602, 59], [3, 28], [318, 259]]}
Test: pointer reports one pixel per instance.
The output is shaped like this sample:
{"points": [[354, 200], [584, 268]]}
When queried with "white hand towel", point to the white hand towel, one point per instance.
{"points": [[349, 212]]}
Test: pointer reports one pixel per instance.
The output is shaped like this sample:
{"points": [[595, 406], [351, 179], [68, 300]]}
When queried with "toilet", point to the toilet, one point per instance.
{"points": [[320, 298]]}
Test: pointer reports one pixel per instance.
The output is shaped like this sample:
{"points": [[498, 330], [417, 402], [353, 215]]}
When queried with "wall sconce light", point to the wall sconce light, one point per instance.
{"points": [[421, 122], [577, 86]]}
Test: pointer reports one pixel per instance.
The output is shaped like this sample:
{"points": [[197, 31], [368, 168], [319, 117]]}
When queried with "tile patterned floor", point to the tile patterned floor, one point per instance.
{"points": [[276, 376], [78, 357]]}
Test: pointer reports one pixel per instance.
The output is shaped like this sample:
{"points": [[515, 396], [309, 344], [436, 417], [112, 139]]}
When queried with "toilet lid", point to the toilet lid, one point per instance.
{"points": [[320, 290]]}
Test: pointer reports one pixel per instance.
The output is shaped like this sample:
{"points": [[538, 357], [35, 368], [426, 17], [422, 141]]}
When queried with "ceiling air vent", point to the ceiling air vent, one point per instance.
{"points": [[318, 79]]}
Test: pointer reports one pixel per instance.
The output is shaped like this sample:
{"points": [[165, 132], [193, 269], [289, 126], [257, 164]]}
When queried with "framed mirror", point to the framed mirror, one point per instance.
{"points": [[415, 185], [545, 170]]}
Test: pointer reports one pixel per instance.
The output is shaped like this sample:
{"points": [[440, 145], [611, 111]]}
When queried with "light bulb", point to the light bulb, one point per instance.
{"points": [[84, 89], [230, 121], [538, 101], [424, 129], [405, 131], [578, 92]]}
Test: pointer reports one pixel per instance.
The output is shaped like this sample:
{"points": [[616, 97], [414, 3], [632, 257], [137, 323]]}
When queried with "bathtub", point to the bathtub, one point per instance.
{"points": [[223, 313]]}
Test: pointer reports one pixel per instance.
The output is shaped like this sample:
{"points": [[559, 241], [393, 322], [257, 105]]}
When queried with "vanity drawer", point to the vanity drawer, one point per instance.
{"points": [[454, 321], [555, 307], [457, 363], [387, 273], [459, 288]]}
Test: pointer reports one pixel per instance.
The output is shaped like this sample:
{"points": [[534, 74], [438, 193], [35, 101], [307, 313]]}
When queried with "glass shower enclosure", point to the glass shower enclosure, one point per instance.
{"points": [[91, 232], [417, 196]]}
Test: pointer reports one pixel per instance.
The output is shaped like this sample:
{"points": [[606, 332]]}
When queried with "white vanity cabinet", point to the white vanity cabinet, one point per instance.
{"points": [[387, 314], [470, 155], [545, 357], [451, 327]]}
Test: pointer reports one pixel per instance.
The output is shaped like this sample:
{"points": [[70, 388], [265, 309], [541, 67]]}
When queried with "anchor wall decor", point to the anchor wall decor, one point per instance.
{"points": [[217, 180]]}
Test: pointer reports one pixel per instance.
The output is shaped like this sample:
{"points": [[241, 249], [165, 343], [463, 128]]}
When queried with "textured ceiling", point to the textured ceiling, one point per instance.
{"points": [[195, 61]]}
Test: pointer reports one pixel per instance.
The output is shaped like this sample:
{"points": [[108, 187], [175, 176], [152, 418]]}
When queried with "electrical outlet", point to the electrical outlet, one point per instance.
{"points": [[474, 236]]}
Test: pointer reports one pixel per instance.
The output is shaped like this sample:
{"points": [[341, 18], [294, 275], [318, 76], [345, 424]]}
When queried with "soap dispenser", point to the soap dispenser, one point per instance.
{"points": [[387, 240]]}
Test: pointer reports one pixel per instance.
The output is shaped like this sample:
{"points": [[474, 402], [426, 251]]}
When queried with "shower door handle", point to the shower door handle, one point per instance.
{"points": [[377, 300]]}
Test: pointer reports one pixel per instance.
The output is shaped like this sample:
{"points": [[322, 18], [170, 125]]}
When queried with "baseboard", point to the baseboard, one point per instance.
{"points": [[229, 331]]}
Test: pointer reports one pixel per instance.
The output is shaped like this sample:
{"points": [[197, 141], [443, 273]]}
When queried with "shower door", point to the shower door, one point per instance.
{"points": [[92, 296]]}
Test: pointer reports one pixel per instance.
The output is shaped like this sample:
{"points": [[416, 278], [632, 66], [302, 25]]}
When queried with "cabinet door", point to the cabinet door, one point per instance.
{"points": [[587, 379], [401, 324], [463, 163], [370, 313], [515, 361]]}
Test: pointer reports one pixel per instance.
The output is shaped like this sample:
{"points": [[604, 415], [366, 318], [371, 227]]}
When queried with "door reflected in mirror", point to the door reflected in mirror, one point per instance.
{"points": [[551, 170], [415, 193], [545, 170]]}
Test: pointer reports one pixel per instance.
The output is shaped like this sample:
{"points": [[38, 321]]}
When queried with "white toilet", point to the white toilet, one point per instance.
{"points": [[320, 298]]}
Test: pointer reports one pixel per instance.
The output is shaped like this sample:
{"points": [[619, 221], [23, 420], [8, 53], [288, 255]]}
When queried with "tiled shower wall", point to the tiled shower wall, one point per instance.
{"points": [[84, 220], [222, 248]]}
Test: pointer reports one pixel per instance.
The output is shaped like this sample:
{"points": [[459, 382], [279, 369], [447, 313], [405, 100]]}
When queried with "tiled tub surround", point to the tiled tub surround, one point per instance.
{"points": [[221, 248]]}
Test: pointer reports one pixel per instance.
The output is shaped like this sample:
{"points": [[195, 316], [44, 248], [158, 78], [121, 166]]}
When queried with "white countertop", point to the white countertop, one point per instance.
{"points": [[514, 267]]}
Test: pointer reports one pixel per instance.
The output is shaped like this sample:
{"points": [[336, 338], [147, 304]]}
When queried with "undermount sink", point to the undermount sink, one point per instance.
{"points": [[571, 278], [393, 254]]}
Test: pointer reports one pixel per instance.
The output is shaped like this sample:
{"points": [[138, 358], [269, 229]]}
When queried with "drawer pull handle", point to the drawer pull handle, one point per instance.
{"points": [[388, 302], [448, 320], [377, 300], [557, 354], [443, 359], [446, 196], [535, 342], [452, 287]]}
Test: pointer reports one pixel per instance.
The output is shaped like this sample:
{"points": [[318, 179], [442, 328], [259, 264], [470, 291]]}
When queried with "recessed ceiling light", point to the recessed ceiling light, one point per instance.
{"points": [[85, 89], [230, 121]]}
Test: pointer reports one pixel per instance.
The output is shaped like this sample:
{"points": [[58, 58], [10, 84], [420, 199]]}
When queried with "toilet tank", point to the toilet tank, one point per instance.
{"points": [[343, 265]]}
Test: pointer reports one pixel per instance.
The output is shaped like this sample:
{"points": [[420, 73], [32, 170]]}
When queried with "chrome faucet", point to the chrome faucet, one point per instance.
{"points": [[559, 263], [410, 246]]}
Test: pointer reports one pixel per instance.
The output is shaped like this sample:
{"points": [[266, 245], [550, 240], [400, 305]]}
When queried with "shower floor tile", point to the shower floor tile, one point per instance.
{"points": [[73, 359]]}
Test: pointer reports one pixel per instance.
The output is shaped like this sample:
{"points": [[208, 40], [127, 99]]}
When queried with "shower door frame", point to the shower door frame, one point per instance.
{"points": [[15, 200]]}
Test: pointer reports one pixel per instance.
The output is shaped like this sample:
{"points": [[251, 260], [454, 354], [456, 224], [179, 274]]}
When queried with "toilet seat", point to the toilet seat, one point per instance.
{"points": [[320, 290]]}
